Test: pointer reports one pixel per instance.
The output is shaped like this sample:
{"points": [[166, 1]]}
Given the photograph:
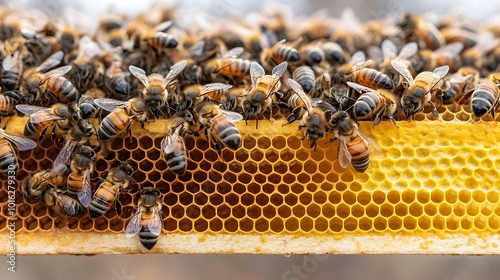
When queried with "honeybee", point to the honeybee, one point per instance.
{"points": [[278, 54], [8, 101], [334, 53], [353, 145], [174, 151], [117, 180], [35, 83], [304, 75], [147, 220], [228, 65], [86, 107], [212, 92], [110, 30], [421, 89], [415, 28], [372, 103], [68, 38], [466, 37], [312, 54], [12, 68], [485, 96], [78, 183], [86, 69], [475, 56], [448, 55], [455, 87], [61, 89], [121, 115], [155, 85], [162, 40], [61, 203], [35, 186], [140, 32], [314, 120], [390, 53], [219, 124], [58, 115], [115, 81], [231, 100], [356, 71], [258, 99], [8, 159]]}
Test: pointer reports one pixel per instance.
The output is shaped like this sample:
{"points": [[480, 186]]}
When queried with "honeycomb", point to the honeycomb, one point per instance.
{"points": [[421, 182]]}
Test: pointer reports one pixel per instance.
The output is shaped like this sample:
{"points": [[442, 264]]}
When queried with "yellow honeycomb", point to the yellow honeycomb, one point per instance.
{"points": [[432, 179]]}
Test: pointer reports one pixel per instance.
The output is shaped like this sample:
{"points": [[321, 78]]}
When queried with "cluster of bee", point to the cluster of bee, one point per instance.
{"points": [[210, 75]]}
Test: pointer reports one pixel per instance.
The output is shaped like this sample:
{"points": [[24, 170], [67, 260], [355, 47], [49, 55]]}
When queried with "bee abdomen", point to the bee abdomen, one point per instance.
{"points": [[62, 89], [74, 184], [360, 154], [163, 40], [484, 98], [113, 124], [227, 133], [9, 79], [374, 79], [304, 75], [366, 105], [7, 157], [147, 238], [177, 162], [285, 53]]}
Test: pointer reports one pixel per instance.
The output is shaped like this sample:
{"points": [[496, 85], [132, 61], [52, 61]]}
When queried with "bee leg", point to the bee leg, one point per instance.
{"points": [[217, 146], [53, 133], [434, 110], [391, 118], [118, 205], [439, 97], [42, 134], [256, 122]]}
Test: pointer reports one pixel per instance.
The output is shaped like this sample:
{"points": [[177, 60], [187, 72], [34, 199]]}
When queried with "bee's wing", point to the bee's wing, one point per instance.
{"points": [[30, 109], [344, 155], [300, 92], [368, 141], [451, 50], [22, 143], [360, 66], [358, 58], [51, 61], [65, 153], [163, 26], [43, 116], [279, 70], [438, 74], [175, 70], [359, 88], [65, 202], [403, 71], [168, 143], [134, 226], [139, 74], [56, 171], [458, 78], [486, 43], [317, 102], [213, 87], [408, 51], [233, 53], [12, 62], [87, 48], [109, 104], [60, 71], [389, 50], [85, 193], [256, 71], [155, 224], [230, 115], [197, 48]]}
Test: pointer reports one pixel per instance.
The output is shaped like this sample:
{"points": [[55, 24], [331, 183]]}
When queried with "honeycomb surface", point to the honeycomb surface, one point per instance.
{"points": [[422, 181]]}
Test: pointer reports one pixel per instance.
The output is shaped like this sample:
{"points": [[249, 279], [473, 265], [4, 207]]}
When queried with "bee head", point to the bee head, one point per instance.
{"points": [[411, 105]]}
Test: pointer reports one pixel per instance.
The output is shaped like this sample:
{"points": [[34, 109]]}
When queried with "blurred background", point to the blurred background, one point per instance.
{"points": [[207, 267]]}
